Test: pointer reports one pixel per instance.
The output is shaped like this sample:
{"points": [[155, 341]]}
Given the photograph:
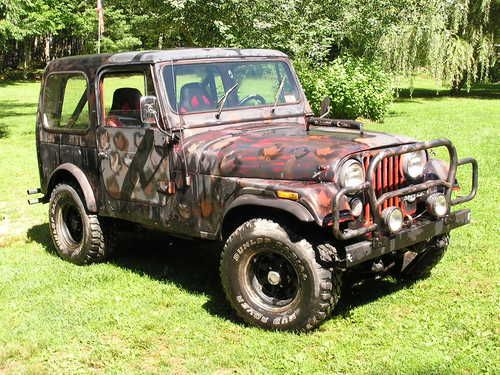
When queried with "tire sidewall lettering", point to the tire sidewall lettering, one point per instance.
{"points": [[262, 317], [253, 247]]}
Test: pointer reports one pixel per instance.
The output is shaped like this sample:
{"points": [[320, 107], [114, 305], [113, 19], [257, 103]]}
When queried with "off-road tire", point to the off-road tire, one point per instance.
{"points": [[95, 241], [421, 266], [318, 286]]}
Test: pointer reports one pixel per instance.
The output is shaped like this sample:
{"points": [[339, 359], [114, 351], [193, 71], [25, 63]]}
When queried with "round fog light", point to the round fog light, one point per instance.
{"points": [[393, 218], [437, 205], [356, 207]]}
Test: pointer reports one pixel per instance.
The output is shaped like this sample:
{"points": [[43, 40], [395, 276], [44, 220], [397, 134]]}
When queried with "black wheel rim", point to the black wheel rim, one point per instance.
{"points": [[70, 224], [272, 278]]}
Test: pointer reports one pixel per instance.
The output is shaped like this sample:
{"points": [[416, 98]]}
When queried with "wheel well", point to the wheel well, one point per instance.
{"points": [[64, 176], [60, 176], [240, 214]]}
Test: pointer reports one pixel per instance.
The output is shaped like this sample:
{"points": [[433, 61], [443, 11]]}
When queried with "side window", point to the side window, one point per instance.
{"points": [[120, 97], [66, 101]]}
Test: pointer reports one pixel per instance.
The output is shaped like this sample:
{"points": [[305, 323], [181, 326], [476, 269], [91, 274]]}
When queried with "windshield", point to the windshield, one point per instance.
{"points": [[201, 87]]}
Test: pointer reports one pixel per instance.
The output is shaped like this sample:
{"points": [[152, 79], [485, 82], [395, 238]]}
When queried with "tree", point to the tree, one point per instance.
{"points": [[453, 39], [34, 31]]}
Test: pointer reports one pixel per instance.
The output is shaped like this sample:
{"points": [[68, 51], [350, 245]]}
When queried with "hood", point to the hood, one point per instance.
{"points": [[272, 151]]}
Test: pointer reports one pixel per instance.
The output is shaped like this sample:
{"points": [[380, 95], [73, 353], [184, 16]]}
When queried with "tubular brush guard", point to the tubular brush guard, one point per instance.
{"points": [[376, 202]]}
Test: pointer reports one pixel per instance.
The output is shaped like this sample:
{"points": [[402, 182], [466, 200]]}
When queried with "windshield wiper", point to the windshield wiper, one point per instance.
{"points": [[278, 93], [222, 101]]}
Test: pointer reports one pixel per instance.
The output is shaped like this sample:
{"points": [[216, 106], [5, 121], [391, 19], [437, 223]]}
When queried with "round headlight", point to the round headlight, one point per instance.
{"points": [[437, 205], [351, 174], [393, 218], [414, 163]]}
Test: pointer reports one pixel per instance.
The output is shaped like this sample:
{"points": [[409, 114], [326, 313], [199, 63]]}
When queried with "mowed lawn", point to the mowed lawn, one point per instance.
{"points": [[158, 307]]}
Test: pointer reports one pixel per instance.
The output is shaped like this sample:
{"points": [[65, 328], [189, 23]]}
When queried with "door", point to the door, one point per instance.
{"points": [[133, 169]]}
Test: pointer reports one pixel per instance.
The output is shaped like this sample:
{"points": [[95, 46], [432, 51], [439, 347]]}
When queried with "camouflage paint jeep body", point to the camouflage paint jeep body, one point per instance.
{"points": [[302, 203]]}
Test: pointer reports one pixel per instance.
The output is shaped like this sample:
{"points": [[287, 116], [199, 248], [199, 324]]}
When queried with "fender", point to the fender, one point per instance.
{"points": [[292, 207], [77, 173]]}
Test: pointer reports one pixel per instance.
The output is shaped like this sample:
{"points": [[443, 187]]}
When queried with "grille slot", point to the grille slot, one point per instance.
{"points": [[388, 176]]}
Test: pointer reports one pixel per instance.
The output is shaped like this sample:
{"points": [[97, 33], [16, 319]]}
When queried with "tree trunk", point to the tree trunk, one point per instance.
{"points": [[160, 41], [458, 85], [27, 53], [47, 48]]}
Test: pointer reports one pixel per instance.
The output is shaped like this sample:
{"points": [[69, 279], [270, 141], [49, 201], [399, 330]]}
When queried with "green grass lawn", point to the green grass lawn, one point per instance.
{"points": [[158, 308]]}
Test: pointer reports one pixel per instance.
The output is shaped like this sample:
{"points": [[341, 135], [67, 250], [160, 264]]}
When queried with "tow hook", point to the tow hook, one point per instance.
{"points": [[408, 221], [379, 267]]}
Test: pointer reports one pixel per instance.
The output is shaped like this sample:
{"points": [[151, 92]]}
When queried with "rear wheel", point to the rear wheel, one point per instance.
{"points": [[78, 236], [273, 280]]}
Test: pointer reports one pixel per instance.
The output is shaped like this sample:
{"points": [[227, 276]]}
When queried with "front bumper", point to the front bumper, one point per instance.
{"points": [[424, 230]]}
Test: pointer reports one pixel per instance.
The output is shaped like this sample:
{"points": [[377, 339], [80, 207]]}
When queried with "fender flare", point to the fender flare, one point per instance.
{"points": [[81, 178], [292, 207]]}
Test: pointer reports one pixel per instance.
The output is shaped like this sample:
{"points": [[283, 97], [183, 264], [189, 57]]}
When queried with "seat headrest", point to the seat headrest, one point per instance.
{"points": [[194, 98], [126, 99]]}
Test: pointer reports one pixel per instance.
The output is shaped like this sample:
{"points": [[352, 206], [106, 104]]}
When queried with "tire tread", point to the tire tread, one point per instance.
{"points": [[101, 238], [329, 282]]}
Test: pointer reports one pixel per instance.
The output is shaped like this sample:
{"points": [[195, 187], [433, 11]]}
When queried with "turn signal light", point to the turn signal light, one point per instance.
{"points": [[287, 195]]}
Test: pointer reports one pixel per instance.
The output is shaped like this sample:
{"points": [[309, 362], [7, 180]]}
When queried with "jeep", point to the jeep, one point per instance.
{"points": [[221, 145]]}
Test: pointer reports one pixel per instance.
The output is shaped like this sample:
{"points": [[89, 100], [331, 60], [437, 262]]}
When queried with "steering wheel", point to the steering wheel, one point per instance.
{"points": [[257, 97]]}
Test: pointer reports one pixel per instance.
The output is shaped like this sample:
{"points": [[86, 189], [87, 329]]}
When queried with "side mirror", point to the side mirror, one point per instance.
{"points": [[149, 110], [325, 107]]}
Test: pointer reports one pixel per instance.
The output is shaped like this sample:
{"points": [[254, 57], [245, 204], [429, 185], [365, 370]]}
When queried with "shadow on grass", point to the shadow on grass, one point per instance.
{"points": [[366, 292], [190, 265], [478, 91], [13, 108], [194, 267], [7, 83], [4, 130], [40, 234]]}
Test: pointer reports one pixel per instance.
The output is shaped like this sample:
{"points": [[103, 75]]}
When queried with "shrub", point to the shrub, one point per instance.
{"points": [[357, 87], [21, 75]]}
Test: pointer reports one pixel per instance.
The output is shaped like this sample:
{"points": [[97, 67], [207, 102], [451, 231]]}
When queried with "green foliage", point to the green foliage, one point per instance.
{"points": [[44, 29], [298, 27], [454, 40], [118, 36], [357, 87], [21, 75]]}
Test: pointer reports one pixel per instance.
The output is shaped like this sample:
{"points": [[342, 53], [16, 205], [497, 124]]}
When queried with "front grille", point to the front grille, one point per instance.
{"points": [[387, 177]]}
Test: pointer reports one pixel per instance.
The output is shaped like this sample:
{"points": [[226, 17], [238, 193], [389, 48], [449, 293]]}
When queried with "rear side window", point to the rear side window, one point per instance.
{"points": [[66, 101]]}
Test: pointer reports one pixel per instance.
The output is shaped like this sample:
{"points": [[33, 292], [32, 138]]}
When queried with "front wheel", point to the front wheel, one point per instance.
{"points": [[78, 236], [273, 280], [419, 265]]}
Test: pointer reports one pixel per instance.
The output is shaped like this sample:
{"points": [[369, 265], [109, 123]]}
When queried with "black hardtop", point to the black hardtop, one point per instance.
{"points": [[94, 62]]}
